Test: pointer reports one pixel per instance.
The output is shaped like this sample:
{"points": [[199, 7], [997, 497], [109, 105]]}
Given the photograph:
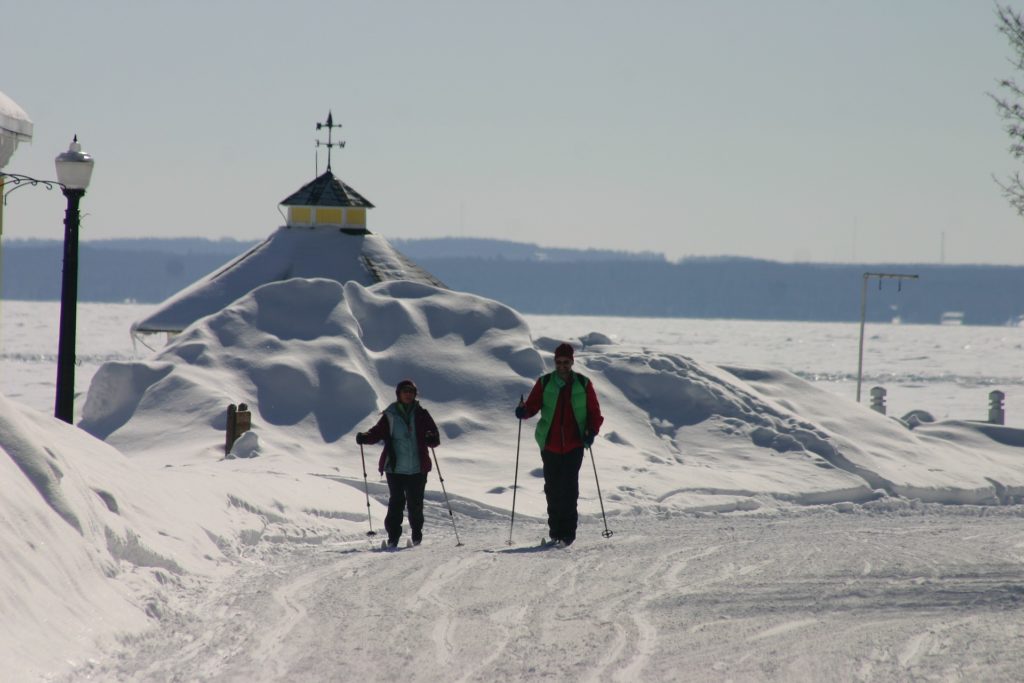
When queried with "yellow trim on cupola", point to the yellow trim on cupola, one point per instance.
{"points": [[333, 216], [355, 218], [328, 215], [300, 215]]}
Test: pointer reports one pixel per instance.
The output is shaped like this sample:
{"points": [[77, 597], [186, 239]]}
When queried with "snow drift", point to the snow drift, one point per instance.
{"points": [[75, 517], [316, 360]]}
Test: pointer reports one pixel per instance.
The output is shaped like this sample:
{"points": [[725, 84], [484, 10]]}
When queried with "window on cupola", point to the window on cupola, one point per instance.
{"points": [[356, 217], [329, 216]]}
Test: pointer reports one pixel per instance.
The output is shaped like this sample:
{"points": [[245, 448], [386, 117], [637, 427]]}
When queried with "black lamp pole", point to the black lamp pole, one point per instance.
{"points": [[64, 406], [74, 169]]}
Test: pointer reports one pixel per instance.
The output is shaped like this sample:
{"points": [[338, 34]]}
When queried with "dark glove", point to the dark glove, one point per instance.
{"points": [[430, 437], [521, 412], [588, 438], [362, 437]]}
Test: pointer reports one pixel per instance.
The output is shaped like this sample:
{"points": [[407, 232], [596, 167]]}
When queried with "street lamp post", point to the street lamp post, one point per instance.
{"points": [[74, 169]]}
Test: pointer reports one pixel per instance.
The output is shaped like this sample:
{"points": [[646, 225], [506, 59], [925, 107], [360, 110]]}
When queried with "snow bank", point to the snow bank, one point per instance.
{"points": [[316, 360], [76, 515]]}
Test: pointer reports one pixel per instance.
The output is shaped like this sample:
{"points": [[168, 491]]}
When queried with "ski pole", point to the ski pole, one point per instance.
{"points": [[366, 488], [450, 513], [515, 480], [606, 533]]}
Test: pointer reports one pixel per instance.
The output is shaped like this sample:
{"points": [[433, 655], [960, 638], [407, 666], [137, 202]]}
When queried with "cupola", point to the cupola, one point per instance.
{"points": [[326, 201]]}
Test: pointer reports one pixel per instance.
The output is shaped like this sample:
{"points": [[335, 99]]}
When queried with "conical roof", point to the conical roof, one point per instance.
{"points": [[288, 253], [326, 190]]}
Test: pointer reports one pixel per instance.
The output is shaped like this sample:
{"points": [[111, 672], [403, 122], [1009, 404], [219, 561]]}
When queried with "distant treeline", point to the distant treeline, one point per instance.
{"points": [[741, 288], [535, 279], [480, 248], [143, 270]]}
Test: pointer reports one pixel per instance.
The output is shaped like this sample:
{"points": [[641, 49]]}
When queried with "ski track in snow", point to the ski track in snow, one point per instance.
{"points": [[814, 596]]}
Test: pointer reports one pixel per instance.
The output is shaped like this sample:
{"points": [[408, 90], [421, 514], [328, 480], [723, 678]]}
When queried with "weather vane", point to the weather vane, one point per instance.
{"points": [[330, 125]]}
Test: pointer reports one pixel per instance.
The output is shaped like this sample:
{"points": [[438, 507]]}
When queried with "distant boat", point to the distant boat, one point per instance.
{"points": [[952, 318]]}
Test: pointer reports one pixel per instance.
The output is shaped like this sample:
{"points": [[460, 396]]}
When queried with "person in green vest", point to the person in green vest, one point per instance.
{"points": [[570, 417], [408, 431]]}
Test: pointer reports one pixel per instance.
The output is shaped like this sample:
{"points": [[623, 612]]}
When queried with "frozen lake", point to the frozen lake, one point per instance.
{"points": [[946, 370]]}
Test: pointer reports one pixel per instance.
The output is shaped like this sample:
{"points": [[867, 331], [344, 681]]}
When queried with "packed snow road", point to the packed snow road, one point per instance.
{"points": [[880, 592]]}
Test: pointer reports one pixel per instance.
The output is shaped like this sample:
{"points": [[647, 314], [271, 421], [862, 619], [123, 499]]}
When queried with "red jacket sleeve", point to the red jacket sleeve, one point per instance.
{"points": [[379, 431], [430, 426], [534, 400]]}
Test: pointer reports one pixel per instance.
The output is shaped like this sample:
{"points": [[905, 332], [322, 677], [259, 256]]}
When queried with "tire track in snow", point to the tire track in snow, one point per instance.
{"points": [[636, 636], [646, 640], [625, 604], [512, 622], [623, 617], [647, 632], [661, 583], [781, 629], [274, 640], [444, 574]]}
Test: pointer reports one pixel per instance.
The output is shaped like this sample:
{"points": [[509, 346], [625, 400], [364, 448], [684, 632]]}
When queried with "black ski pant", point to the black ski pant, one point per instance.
{"points": [[562, 490], [405, 489]]}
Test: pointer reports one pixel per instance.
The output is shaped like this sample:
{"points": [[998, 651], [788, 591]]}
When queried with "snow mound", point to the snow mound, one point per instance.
{"points": [[246, 446], [316, 360], [85, 535]]}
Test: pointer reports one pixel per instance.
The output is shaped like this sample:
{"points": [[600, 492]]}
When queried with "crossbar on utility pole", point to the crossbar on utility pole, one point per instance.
{"points": [[863, 314]]}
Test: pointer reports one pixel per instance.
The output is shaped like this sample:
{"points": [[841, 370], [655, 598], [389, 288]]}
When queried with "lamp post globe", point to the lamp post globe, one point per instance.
{"points": [[74, 167], [74, 170]]}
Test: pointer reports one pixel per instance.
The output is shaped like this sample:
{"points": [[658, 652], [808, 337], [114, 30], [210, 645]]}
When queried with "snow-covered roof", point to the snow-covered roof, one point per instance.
{"points": [[15, 127], [13, 118], [318, 252], [326, 190]]}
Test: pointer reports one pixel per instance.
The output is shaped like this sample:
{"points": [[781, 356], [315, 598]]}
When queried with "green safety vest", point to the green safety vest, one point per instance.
{"points": [[552, 385]]}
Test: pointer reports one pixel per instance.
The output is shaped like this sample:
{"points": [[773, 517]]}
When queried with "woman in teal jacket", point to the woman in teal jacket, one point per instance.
{"points": [[408, 432]]}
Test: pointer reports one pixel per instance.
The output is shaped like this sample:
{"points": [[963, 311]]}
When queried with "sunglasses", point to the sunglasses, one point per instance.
{"points": [[563, 362]]}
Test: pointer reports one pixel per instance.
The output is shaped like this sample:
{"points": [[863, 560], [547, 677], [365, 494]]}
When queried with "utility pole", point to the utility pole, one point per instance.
{"points": [[899, 277]]}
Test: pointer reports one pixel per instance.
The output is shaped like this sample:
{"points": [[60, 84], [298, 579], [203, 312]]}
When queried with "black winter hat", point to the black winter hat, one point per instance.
{"points": [[406, 383]]}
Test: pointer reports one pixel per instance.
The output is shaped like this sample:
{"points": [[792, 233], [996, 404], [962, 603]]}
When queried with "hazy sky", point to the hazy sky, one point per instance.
{"points": [[790, 130]]}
